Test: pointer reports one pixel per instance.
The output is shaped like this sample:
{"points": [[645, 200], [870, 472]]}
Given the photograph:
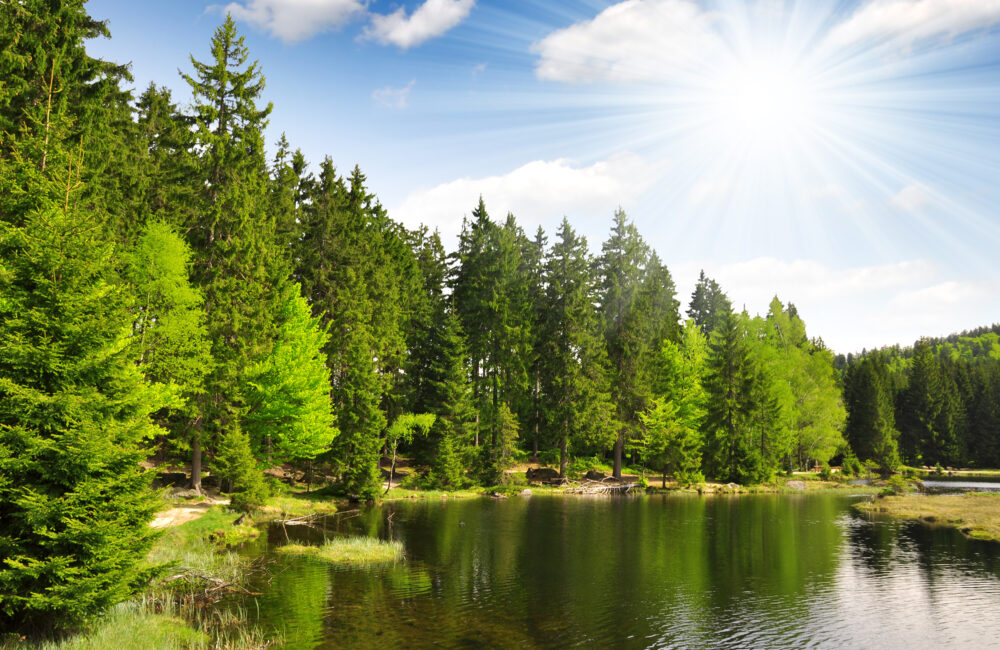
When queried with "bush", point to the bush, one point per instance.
{"points": [[851, 465], [240, 472], [549, 457], [825, 472], [894, 486]]}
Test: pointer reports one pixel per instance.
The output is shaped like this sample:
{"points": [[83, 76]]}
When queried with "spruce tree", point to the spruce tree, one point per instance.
{"points": [[620, 272], [239, 266], [75, 410], [729, 382], [709, 304], [574, 384]]}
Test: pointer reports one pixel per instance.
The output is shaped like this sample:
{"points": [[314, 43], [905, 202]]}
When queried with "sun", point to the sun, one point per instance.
{"points": [[764, 101]]}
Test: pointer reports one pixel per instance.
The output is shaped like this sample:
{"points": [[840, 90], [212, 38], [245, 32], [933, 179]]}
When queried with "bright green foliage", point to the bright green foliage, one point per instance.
{"points": [[168, 322], [573, 380], [673, 437], [871, 423], [807, 387], [168, 326], [74, 408], [402, 430], [288, 414], [236, 465]]}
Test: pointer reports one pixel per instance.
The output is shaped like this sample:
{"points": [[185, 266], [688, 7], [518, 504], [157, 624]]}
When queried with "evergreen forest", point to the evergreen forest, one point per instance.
{"points": [[174, 289]]}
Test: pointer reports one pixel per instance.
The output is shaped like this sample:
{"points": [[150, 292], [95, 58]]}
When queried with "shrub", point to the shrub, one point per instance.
{"points": [[825, 472], [895, 485]]}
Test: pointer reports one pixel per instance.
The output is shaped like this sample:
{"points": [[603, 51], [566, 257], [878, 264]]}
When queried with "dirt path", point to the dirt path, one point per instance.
{"points": [[182, 514]]}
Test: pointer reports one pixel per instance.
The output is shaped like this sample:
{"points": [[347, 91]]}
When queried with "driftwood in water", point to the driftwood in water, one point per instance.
{"points": [[602, 487]]}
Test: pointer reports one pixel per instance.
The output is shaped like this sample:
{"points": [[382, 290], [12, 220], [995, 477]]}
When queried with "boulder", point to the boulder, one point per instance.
{"points": [[559, 480], [594, 475], [525, 492], [541, 473], [733, 486], [796, 485], [210, 481], [170, 479]]}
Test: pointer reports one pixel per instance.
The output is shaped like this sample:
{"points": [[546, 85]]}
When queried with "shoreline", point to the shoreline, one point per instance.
{"points": [[975, 514]]}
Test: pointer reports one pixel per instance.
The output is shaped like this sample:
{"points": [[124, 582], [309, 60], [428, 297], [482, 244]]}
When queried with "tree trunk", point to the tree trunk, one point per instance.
{"points": [[619, 447], [563, 455], [392, 469], [196, 465]]}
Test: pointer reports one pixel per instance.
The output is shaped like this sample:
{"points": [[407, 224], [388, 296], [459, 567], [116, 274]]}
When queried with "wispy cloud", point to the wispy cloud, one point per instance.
{"points": [[538, 192], [909, 21], [295, 20], [635, 40], [429, 20], [912, 197], [391, 97], [648, 40]]}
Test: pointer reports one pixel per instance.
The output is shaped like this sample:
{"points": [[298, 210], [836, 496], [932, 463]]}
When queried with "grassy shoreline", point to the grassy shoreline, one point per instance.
{"points": [[975, 514]]}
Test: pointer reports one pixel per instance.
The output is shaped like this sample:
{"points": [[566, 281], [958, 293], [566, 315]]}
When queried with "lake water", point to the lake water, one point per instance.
{"points": [[763, 571]]}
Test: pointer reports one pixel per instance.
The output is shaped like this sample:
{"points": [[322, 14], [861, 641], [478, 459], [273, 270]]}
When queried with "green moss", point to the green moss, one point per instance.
{"points": [[350, 550]]}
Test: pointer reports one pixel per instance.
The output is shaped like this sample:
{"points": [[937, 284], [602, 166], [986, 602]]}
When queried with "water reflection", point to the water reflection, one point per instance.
{"points": [[759, 571]]}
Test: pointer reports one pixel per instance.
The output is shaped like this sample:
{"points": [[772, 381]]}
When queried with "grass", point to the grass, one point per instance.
{"points": [[350, 550], [296, 505], [412, 493], [976, 514]]}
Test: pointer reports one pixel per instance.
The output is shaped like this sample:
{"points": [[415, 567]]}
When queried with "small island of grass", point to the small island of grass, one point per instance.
{"points": [[975, 514], [350, 550]]}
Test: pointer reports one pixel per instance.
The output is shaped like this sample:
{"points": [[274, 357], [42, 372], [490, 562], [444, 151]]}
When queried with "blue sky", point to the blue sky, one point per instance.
{"points": [[842, 155]]}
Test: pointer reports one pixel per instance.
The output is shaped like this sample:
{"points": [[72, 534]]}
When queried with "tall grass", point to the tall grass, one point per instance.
{"points": [[350, 550]]}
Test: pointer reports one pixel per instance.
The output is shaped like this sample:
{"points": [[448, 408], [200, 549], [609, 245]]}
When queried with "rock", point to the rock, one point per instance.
{"points": [[170, 479], [796, 485], [526, 492], [733, 486], [541, 473], [444, 495], [594, 475], [210, 481], [498, 495], [558, 480]]}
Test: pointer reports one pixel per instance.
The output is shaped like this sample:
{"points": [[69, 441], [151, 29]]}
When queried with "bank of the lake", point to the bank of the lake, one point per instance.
{"points": [[974, 514]]}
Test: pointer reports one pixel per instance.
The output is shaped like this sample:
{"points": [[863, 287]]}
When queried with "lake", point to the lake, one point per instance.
{"points": [[761, 571]]}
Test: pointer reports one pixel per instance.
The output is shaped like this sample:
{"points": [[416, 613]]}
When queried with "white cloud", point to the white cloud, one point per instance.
{"points": [[394, 97], [854, 307], [635, 40], [908, 21], [295, 20], [429, 20], [912, 197], [540, 191]]}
